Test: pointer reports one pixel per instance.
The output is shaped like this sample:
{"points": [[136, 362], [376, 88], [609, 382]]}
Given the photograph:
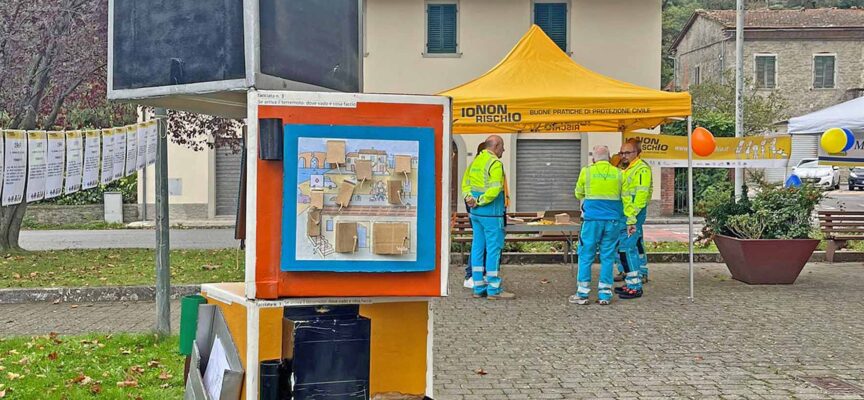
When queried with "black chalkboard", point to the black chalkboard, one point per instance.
{"points": [[312, 41], [170, 42]]}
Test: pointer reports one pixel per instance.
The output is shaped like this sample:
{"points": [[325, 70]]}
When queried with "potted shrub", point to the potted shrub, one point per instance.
{"points": [[766, 239]]}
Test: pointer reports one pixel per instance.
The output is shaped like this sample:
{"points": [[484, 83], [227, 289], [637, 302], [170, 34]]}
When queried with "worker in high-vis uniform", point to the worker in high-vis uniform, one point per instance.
{"points": [[599, 189], [635, 195], [483, 188]]}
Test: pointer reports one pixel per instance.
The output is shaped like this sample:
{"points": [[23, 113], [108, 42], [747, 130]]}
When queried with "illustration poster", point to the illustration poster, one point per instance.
{"points": [[119, 167], [107, 156], [141, 139], [37, 155], [15, 167], [74, 161], [55, 164], [90, 173]]}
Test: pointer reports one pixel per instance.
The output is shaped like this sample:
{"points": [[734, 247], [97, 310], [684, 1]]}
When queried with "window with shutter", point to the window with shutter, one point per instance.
{"points": [[552, 18], [766, 71], [441, 28], [823, 72]]}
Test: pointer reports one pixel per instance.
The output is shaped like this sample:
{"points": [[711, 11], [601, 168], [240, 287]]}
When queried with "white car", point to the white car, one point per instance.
{"points": [[823, 176]]}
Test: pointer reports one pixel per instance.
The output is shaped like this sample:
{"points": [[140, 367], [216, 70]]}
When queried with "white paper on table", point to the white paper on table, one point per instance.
{"points": [[216, 366], [90, 174], [37, 166], [55, 164], [152, 141], [119, 153], [74, 161], [107, 156], [14, 167], [131, 149], [141, 138]]}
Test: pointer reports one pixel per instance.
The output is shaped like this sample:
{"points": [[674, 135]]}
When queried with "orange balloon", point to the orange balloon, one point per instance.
{"points": [[703, 142]]}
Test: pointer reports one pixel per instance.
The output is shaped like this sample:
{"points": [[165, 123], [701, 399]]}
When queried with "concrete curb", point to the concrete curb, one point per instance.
{"points": [[657, 258], [90, 294]]}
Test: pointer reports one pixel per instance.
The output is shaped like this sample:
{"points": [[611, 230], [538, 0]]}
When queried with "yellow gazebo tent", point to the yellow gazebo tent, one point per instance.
{"points": [[538, 88]]}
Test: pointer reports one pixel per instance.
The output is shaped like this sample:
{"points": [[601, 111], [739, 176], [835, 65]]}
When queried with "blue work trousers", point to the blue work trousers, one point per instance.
{"points": [[488, 238], [602, 235], [633, 263]]}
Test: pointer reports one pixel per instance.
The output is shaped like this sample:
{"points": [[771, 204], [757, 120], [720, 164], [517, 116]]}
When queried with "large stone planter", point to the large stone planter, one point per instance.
{"points": [[765, 261]]}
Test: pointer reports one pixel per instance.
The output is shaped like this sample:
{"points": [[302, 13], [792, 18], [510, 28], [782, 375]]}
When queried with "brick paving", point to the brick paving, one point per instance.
{"points": [[734, 342]]}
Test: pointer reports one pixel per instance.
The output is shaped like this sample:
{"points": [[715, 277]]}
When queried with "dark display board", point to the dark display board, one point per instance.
{"points": [[312, 41], [171, 42]]}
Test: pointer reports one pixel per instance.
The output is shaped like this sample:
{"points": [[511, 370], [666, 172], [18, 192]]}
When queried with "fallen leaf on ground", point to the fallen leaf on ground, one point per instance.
{"points": [[128, 383], [16, 275], [52, 356], [74, 306], [165, 376], [81, 379], [2, 394], [57, 301], [2, 368], [96, 388], [480, 371], [165, 385], [153, 364], [544, 281], [209, 267], [137, 369], [34, 274], [125, 352], [13, 376]]}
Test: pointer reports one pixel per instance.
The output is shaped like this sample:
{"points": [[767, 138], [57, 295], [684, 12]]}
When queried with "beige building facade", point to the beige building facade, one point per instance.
{"points": [[618, 38]]}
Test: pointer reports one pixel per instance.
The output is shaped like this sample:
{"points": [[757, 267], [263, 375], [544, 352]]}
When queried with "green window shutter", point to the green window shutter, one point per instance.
{"points": [[441, 28], [823, 72], [552, 18], [765, 72]]}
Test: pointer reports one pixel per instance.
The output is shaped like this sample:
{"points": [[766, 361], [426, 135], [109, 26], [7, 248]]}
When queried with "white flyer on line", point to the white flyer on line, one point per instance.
{"points": [[107, 156], [74, 161], [152, 141], [90, 173], [14, 167], [56, 164], [131, 149], [37, 164], [141, 138], [119, 167]]}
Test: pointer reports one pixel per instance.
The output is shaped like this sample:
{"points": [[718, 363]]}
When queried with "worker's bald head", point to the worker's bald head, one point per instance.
{"points": [[495, 145]]}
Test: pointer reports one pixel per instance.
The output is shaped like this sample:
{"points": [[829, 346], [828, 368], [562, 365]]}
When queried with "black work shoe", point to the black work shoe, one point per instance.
{"points": [[620, 289], [630, 294]]}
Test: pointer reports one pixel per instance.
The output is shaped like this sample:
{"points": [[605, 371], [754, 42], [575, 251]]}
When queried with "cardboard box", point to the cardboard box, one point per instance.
{"points": [[390, 238], [346, 191], [313, 226], [335, 152], [346, 237], [363, 170], [403, 164], [562, 218], [316, 198], [394, 192]]}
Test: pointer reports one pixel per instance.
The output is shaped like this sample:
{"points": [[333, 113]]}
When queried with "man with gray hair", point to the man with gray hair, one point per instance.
{"points": [[599, 189]]}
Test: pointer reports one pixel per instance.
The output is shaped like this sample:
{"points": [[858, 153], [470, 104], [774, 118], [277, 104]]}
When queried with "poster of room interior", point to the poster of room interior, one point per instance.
{"points": [[357, 199]]}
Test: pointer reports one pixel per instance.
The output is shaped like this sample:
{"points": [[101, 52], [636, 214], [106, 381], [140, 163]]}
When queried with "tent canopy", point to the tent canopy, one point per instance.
{"points": [[848, 115], [538, 88]]}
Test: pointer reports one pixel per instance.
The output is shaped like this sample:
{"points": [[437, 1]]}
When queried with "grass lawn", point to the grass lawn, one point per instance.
{"points": [[30, 225], [119, 366], [117, 267]]}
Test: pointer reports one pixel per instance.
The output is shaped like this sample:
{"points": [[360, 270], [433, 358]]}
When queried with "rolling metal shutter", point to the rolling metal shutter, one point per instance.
{"points": [[227, 181], [546, 174], [803, 146]]}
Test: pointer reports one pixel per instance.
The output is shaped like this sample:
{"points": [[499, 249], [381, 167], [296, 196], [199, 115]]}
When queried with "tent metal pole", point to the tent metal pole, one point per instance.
{"points": [[690, 198]]}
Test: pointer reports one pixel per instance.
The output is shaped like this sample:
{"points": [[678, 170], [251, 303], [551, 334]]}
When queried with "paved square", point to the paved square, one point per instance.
{"points": [[735, 341]]}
